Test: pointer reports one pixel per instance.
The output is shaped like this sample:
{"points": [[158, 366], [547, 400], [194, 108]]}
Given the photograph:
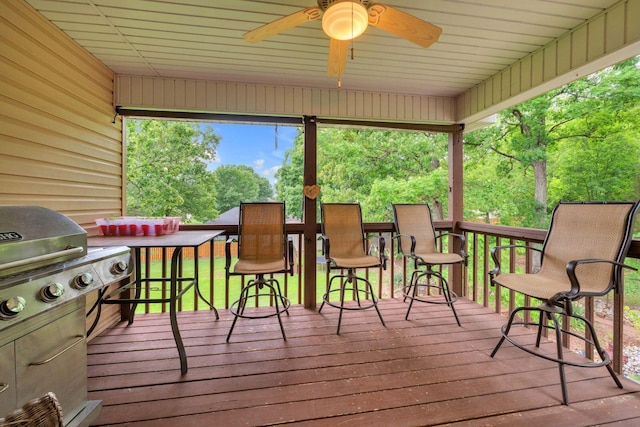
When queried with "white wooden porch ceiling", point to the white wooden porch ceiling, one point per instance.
{"points": [[202, 39]]}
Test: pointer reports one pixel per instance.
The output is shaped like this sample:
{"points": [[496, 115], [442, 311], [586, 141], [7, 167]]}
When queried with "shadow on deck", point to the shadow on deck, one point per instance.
{"points": [[425, 371]]}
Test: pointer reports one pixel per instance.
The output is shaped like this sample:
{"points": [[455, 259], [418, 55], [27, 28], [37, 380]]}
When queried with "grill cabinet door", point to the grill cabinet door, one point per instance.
{"points": [[7, 379], [54, 358]]}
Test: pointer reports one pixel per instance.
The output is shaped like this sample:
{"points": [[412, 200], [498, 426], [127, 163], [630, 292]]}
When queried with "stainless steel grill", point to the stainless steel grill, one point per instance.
{"points": [[46, 270], [32, 237]]}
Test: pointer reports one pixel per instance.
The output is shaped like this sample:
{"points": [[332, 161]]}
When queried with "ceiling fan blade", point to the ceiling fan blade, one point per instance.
{"points": [[403, 25], [282, 24], [337, 57]]}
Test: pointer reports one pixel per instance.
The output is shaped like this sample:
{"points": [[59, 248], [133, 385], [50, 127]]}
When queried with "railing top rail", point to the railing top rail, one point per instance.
{"points": [[518, 233]]}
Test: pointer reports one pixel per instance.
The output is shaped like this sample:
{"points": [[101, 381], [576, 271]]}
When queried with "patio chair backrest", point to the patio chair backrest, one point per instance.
{"points": [[589, 230], [262, 231], [342, 224], [414, 220]]}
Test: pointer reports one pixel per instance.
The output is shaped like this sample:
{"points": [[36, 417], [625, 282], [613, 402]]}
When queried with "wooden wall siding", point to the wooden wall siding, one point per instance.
{"points": [[615, 32], [58, 146], [223, 97]]}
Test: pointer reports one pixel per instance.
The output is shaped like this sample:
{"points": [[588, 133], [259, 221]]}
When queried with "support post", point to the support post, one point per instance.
{"points": [[455, 203], [309, 207]]}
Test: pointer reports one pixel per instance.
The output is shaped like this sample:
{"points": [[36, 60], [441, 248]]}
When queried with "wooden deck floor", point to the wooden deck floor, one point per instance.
{"points": [[425, 371]]}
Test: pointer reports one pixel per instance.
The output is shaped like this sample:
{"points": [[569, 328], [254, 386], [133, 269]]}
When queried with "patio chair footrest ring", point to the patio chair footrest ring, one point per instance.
{"points": [[282, 308], [406, 292], [337, 305], [527, 347]]}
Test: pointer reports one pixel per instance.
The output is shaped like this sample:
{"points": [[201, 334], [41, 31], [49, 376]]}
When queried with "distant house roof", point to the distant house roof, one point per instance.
{"points": [[232, 216]]}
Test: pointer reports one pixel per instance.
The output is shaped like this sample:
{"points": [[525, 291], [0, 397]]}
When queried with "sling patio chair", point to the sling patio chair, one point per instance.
{"points": [[345, 247], [263, 250], [418, 242], [582, 256]]}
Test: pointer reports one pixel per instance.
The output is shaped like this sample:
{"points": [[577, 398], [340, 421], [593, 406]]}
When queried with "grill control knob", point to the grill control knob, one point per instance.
{"points": [[11, 307], [51, 292], [83, 280], [119, 267]]}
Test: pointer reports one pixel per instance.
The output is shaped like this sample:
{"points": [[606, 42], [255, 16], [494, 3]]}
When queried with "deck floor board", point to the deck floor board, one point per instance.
{"points": [[424, 371]]}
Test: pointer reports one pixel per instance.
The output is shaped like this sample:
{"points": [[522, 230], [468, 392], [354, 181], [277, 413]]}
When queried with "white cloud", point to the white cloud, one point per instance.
{"points": [[258, 164], [270, 173]]}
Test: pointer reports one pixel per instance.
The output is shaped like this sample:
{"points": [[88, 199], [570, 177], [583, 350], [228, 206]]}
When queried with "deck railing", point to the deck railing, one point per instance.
{"points": [[476, 285]]}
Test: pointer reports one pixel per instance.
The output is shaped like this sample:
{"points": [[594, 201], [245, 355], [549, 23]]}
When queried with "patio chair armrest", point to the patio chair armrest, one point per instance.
{"points": [[495, 254], [575, 283], [326, 246], [227, 252], [290, 256], [383, 253], [462, 243], [380, 247], [412, 252]]}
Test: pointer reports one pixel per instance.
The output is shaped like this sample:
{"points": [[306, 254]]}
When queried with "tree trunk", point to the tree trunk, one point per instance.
{"points": [[540, 192], [436, 210]]}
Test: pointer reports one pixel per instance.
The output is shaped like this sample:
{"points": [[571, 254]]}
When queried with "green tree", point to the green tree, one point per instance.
{"points": [[167, 169], [265, 189], [239, 183], [575, 118], [372, 167], [495, 187], [290, 177]]}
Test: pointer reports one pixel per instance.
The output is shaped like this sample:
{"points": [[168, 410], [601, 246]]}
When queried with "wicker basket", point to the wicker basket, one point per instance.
{"points": [[42, 412]]}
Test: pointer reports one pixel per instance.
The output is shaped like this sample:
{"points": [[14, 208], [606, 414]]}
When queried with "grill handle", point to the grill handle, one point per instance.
{"points": [[79, 339], [39, 258]]}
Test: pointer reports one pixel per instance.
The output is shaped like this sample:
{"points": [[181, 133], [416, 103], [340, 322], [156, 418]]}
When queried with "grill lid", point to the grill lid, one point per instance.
{"points": [[33, 237]]}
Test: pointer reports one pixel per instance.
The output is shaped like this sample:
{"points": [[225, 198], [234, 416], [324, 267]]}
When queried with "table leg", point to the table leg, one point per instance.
{"points": [[173, 309], [197, 282], [138, 285], [97, 306]]}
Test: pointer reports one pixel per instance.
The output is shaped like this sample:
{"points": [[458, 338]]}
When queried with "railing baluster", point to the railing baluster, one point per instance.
{"points": [[512, 268], [472, 261], [485, 273]]}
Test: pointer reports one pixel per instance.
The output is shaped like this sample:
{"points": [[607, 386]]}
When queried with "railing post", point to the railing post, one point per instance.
{"points": [[310, 227], [455, 203]]}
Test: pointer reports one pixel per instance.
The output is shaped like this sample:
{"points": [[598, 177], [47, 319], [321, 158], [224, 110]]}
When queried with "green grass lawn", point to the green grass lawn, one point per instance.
{"points": [[188, 300]]}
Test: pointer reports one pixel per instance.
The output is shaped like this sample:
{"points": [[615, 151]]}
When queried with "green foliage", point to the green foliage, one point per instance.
{"points": [[167, 169], [167, 173], [290, 178], [374, 168], [415, 189], [239, 184], [578, 142], [605, 138], [632, 316]]}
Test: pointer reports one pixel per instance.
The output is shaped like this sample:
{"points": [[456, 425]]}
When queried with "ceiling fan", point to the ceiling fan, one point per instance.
{"points": [[344, 20]]}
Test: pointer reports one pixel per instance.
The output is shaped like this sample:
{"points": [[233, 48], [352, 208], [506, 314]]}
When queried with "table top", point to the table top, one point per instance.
{"points": [[180, 238]]}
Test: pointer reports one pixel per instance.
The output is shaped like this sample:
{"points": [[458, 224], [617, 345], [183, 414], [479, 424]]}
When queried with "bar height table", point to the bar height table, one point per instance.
{"points": [[178, 241]]}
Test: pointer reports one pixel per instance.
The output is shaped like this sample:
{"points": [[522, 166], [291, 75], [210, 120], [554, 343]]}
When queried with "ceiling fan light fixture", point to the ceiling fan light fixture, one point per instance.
{"points": [[345, 20]]}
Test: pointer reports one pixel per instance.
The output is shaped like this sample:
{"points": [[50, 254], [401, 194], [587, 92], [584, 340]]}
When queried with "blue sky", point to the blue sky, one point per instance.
{"points": [[253, 146]]}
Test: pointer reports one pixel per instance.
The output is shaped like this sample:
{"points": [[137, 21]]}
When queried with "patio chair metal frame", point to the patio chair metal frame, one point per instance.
{"points": [[257, 256], [348, 255], [414, 227], [589, 237]]}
